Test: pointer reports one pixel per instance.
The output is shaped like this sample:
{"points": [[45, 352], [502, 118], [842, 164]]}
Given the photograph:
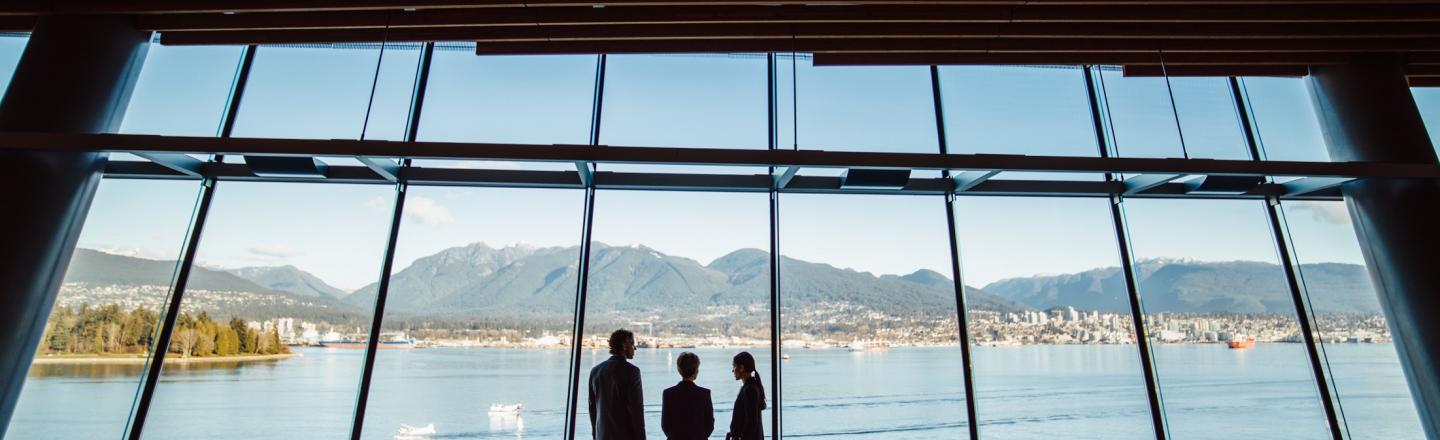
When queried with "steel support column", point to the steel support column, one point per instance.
{"points": [[76, 76], [1366, 113], [577, 336]]}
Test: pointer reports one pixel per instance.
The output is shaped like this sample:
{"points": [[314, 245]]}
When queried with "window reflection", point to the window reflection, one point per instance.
{"points": [[1428, 100], [182, 90], [324, 92], [1284, 119], [1226, 342], [1065, 330], [96, 344], [1143, 119], [11, 46], [869, 319], [685, 272], [266, 343], [488, 302], [1364, 372]]}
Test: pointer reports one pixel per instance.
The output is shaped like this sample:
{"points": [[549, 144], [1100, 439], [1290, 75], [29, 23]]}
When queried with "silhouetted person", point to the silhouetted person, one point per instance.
{"points": [[686, 412], [617, 408], [745, 422]]}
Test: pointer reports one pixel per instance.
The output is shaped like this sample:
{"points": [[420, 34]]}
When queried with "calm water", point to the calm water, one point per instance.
{"points": [[903, 393]]}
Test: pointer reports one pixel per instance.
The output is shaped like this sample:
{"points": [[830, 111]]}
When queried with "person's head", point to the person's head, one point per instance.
{"points": [[622, 343], [744, 368], [689, 365], [743, 365]]}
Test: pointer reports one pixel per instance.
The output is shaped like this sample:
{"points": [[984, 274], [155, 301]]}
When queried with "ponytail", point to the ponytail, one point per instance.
{"points": [[744, 359]]}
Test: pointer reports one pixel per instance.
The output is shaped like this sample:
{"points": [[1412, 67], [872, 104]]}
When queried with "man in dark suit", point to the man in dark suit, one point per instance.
{"points": [[617, 408], [686, 412]]}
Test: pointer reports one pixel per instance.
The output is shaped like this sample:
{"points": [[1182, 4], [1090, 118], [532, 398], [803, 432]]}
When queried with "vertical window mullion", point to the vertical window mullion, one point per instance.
{"points": [[962, 311], [1127, 261], [578, 333]]}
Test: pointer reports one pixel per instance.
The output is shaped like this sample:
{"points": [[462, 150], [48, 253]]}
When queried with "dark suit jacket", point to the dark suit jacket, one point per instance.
{"points": [[617, 407], [686, 412]]}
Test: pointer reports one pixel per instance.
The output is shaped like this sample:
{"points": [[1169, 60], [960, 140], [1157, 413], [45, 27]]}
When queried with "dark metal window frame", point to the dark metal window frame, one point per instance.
{"points": [[961, 174]]}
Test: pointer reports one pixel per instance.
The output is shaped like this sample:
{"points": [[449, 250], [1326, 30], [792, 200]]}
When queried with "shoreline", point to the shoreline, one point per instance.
{"points": [[59, 360]]}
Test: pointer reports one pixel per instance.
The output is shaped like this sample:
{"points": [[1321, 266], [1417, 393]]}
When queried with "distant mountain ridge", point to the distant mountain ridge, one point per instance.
{"points": [[289, 279], [1202, 287]]}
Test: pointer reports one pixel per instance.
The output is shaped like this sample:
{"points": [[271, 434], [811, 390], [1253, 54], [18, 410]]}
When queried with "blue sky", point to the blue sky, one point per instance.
{"points": [[337, 232]]}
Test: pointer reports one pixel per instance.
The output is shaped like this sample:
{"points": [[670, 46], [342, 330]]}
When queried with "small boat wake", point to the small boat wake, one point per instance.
{"points": [[408, 432]]}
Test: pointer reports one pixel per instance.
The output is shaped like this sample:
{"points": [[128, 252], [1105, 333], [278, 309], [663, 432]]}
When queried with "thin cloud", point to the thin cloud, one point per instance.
{"points": [[1332, 213], [427, 211], [274, 251]]}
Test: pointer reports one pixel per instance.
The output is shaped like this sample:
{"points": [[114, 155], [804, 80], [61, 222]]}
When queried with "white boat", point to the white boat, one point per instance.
{"points": [[502, 409], [408, 432]]}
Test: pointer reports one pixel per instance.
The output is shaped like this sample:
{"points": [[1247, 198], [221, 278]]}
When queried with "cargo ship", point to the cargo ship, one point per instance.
{"points": [[1242, 342]]}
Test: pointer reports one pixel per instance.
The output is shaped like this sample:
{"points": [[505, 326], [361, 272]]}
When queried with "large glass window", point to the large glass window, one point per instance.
{"points": [[686, 272], [325, 92], [490, 301], [11, 46], [1067, 331], [182, 90], [97, 341], [1284, 119], [1428, 100], [693, 100], [1143, 111], [1038, 111], [1226, 342], [266, 345], [1364, 372], [869, 319]]}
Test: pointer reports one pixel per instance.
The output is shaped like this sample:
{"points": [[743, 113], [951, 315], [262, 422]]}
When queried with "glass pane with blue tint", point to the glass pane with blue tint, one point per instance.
{"points": [[267, 345], [491, 300], [1037, 111], [686, 272], [97, 342], [685, 100], [182, 90], [1226, 342], [1284, 119], [1364, 371], [324, 92], [506, 99], [1142, 118], [879, 109], [1052, 317], [869, 319], [11, 46], [1428, 100]]}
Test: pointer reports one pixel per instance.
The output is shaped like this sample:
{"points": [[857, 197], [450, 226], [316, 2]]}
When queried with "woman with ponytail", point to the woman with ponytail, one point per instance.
{"points": [[745, 422]]}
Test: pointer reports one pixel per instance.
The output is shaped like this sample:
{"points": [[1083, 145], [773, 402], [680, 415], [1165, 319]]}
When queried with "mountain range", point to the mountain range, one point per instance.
{"points": [[528, 283]]}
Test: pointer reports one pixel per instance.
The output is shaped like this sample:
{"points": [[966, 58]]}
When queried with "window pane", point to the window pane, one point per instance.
{"points": [[1038, 111], [323, 92], [659, 268], [1363, 368], [1285, 119], [492, 300], [1068, 332], [886, 109], [1142, 119], [274, 268], [869, 319], [97, 342], [11, 46], [507, 99], [1428, 99], [182, 90], [1209, 280], [694, 100]]}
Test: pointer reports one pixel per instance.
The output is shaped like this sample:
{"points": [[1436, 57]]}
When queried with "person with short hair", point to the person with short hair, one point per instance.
{"points": [[686, 412], [746, 422], [617, 407]]}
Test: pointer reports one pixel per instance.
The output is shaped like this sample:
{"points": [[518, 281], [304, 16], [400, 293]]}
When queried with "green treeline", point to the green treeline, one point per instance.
{"points": [[107, 330]]}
